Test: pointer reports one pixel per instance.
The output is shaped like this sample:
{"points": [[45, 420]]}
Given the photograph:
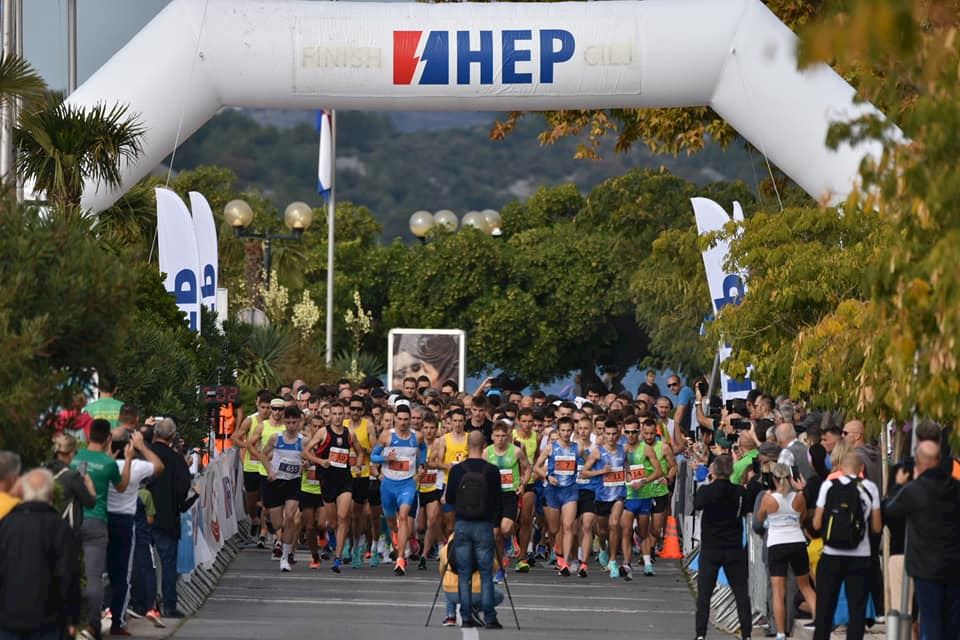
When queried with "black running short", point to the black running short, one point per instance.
{"points": [[660, 503], [510, 504], [604, 509], [426, 497], [251, 481], [586, 502], [374, 497], [333, 488], [310, 500], [793, 555], [278, 492], [361, 490]]}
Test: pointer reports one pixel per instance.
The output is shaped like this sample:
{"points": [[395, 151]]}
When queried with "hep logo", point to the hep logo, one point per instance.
{"points": [[426, 60]]}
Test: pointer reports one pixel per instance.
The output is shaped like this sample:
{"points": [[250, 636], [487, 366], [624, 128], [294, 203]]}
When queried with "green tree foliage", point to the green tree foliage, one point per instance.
{"points": [[59, 146]]}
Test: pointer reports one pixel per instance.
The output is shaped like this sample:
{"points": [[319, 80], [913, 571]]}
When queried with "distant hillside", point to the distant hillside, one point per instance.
{"points": [[395, 169]]}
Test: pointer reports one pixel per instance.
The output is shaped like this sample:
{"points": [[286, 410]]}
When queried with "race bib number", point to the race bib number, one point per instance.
{"points": [[614, 477], [402, 466], [580, 478], [506, 479], [289, 467], [429, 478], [565, 465], [637, 472], [339, 458]]}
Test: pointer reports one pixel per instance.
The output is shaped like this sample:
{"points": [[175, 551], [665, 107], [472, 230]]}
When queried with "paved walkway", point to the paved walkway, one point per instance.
{"points": [[255, 601]]}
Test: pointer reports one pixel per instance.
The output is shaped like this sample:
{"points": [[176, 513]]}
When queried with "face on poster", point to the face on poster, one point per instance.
{"points": [[439, 354]]}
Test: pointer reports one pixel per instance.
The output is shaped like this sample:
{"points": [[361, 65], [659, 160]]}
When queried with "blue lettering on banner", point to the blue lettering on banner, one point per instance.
{"points": [[512, 55], [185, 292], [733, 291], [209, 287], [433, 60]]}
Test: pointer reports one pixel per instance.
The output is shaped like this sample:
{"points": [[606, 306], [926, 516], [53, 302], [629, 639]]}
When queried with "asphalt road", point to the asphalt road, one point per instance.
{"points": [[255, 601]]}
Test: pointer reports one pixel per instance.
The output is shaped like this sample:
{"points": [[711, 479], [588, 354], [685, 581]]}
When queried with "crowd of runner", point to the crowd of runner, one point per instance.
{"points": [[580, 480]]}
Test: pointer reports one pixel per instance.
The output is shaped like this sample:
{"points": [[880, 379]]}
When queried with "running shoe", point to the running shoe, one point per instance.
{"points": [[648, 570], [614, 570], [347, 548], [291, 559], [154, 616], [564, 568], [331, 540], [450, 621], [497, 579], [422, 564], [277, 550], [627, 572], [375, 560], [262, 542], [315, 563], [284, 565], [541, 552], [582, 572], [603, 558], [414, 547], [357, 561], [552, 559], [522, 567], [400, 568], [336, 565]]}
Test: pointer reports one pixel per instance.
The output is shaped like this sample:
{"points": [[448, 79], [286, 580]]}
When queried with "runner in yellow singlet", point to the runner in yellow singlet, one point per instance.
{"points": [[311, 498], [362, 431], [453, 449], [272, 425], [529, 440], [242, 437]]}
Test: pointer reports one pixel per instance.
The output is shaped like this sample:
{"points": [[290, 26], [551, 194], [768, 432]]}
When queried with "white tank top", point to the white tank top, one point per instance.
{"points": [[783, 525]]}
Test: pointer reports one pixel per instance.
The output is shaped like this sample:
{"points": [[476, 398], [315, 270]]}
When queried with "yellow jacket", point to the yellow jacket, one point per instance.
{"points": [[451, 581]]}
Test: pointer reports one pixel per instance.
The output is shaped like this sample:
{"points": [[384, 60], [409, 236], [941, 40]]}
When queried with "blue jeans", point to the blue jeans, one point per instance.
{"points": [[473, 549], [119, 564], [167, 546], [453, 599], [143, 584], [939, 606]]}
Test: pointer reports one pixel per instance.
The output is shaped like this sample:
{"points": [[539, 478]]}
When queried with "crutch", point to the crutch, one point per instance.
{"points": [[506, 586]]}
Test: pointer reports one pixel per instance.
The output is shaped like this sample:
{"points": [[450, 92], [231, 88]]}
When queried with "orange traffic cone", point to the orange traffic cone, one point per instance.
{"points": [[671, 541]]}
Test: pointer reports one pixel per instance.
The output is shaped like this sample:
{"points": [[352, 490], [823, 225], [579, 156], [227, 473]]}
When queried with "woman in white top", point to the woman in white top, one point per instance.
{"points": [[783, 510]]}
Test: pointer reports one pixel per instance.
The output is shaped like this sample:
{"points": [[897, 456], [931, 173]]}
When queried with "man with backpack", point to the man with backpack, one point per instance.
{"points": [[473, 489], [846, 508]]}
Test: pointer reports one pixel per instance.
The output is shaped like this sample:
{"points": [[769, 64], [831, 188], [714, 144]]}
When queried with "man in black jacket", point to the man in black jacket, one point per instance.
{"points": [[169, 491], [723, 505], [931, 505], [37, 557], [473, 489]]}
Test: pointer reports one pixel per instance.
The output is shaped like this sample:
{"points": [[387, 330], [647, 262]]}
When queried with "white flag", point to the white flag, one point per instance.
{"points": [[725, 288], [179, 260], [325, 165], [206, 232]]}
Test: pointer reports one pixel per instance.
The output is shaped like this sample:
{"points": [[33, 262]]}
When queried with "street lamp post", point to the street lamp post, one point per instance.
{"points": [[488, 221], [297, 217]]}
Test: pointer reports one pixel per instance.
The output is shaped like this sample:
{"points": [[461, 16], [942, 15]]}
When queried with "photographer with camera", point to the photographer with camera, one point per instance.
{"points": [[723, 506]]}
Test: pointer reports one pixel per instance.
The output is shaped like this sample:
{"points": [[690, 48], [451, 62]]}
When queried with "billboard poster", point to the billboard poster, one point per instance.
{"points": [[440, 354]]}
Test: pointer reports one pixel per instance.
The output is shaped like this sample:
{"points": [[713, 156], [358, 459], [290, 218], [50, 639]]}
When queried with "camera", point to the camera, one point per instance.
{"points": [[739, 424], [703, 388]]}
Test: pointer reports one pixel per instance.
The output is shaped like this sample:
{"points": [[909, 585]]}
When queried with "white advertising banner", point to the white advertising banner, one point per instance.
{"points": [[725, 287], [206, 233], [179, 261]]}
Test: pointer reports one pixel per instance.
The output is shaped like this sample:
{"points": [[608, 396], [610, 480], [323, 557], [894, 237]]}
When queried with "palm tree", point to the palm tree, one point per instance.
{"points": [[18, 79], [61, 145]]}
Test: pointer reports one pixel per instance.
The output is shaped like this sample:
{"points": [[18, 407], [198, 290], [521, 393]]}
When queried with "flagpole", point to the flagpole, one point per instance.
{"points": [[331, 209]]}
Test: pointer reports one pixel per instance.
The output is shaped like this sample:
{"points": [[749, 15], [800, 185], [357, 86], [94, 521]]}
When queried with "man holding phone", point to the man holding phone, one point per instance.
{"points": [[100, 466]]}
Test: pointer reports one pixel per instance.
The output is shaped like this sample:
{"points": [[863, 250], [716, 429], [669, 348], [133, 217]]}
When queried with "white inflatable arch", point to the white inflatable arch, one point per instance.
{"points": [[197, 56]]}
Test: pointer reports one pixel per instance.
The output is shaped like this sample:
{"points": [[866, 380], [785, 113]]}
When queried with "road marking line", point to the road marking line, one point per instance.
{"points": [[368, 592], [470, 634], [418, 605]]}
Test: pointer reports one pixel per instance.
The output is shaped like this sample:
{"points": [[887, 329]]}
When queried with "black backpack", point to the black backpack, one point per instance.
{"points": [[845, 523], [472, 495]]}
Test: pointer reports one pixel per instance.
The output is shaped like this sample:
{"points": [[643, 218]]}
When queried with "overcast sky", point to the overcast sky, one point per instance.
{"points": [[103, 27]]}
